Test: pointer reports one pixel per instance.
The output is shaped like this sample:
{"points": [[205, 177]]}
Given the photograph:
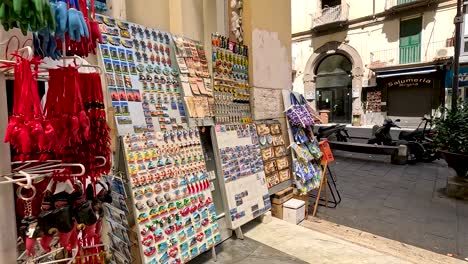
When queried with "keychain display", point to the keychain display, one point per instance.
{"points": [[231, 81], [195, 77], [243, 173], [273, 152], [143, 77], [175, 213], [28, 132], [54, 144]]}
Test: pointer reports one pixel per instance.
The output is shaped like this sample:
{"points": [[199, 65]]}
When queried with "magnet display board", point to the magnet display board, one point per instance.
{"points": [[142, 75], [174, 210], [243, 178], [195, 77]]}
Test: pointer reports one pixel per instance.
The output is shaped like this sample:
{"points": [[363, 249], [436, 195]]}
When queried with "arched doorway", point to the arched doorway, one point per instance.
{"points": [[333, 82]]}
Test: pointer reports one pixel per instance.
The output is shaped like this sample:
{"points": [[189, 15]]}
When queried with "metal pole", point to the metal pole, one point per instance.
{"points": [[8, 237], [457, 45]]}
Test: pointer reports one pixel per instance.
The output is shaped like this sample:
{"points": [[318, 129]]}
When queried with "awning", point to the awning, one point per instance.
{"points": [[400, 72]]}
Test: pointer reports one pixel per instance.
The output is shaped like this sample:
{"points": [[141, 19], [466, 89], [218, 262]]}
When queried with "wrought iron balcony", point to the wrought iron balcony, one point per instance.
{"points": [[420, 53], [330, 16]]}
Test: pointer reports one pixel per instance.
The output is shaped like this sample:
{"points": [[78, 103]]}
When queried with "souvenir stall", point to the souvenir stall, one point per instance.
{"points": [[58, 134], [169, 188], [185, 138], [274, 153], [238, 156], [310, 171]]}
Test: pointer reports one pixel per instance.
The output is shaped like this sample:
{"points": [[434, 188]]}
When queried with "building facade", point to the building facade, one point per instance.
{"points": [[362, 61]]}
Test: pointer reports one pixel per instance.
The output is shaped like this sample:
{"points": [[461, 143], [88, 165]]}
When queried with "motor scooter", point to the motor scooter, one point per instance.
{"points": [[381, 136], [418, 148], [422, 135], [333, 133]]}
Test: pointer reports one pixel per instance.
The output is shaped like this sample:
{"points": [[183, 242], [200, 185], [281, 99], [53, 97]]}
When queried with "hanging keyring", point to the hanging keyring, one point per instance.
{"points": [[20, 195]]}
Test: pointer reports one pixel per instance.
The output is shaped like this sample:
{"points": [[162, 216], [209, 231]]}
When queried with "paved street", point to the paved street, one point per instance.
{"points": [[404, 203]]}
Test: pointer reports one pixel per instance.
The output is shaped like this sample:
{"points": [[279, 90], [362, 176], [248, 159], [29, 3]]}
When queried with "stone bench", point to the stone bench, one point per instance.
{"points": [[398, 153]]}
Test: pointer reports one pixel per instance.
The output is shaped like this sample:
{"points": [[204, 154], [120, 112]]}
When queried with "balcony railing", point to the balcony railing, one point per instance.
{"points": [[331, 15], [389, 4], [426, 52]]}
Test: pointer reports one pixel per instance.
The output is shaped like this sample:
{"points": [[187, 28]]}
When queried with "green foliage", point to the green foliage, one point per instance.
{"points": [[452, 130]]}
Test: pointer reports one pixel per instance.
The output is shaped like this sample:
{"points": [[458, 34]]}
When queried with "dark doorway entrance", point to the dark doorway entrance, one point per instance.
{"points": [[333, 83]]}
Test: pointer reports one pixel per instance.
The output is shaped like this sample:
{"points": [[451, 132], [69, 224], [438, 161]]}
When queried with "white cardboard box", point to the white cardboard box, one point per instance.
{"points": [[294, 211]]}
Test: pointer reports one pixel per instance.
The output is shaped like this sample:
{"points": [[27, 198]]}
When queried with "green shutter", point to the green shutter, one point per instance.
{"points": [[410, 40], [404, 1]]}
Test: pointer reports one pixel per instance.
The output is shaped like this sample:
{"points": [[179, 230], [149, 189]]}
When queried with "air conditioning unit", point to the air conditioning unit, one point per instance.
{"points": [[441, 53]]}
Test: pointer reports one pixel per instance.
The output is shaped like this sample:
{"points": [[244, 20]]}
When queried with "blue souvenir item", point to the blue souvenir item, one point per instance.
{"points": [[194, 252], [190, 231], [184, 247]]}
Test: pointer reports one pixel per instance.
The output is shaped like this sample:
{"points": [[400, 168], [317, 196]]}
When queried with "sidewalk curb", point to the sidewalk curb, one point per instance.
{"points": [[384, 245]]}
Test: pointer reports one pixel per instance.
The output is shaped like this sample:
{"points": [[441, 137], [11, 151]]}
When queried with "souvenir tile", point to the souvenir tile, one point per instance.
{"points": [[284, 175], [267, 153], [282, 163]]}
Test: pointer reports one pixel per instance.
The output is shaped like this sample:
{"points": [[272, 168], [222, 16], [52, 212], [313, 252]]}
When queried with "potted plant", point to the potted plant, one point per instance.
{"points": [[451, 138]]}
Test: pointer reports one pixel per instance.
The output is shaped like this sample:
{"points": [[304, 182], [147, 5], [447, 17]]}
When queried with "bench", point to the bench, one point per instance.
{"points": [[398, 153]]}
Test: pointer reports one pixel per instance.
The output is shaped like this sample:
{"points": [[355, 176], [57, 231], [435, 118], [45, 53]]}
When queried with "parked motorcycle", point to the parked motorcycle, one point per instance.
{"points": [[423, 135], [419, 144], [333, 133]]}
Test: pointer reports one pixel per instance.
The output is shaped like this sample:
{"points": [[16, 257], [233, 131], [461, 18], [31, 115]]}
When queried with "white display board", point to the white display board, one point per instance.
{"points": [[243, 178], [142, 76]]}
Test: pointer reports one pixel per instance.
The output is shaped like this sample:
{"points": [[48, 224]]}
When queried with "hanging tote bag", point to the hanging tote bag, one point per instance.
{"points": [[308, 106], [297, 114]]}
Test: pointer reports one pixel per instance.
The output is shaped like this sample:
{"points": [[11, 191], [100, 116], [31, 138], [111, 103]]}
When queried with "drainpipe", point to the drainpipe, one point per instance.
{"points": [[456, 57], [373, 9]]}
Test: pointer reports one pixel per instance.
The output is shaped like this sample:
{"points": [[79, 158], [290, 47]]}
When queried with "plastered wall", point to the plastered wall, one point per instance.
{"points": [[267, 26]]}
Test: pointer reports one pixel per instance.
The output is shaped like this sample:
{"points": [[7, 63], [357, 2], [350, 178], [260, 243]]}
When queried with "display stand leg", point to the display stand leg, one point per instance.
{"points": [[213, 254], [8, 237], [326, 189], [320, 188], [335, 193], [239, 233]]}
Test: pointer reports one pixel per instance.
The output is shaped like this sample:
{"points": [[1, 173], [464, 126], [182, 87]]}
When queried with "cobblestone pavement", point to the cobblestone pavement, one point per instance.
{"points": [[403, 203]]}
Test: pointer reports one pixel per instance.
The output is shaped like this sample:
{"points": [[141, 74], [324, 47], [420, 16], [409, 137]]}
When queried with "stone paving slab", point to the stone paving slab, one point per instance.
{"points": [[246, 251], [404, 203], [316, 247], [385, 246]]}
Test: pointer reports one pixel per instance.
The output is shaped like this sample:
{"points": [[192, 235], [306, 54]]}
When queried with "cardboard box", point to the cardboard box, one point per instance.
{"points": [[282, 196], [277, 210], [294, 211], [304, 198]]}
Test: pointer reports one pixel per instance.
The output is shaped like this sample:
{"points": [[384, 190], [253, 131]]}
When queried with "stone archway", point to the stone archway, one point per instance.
{"points": [[357, 71]]}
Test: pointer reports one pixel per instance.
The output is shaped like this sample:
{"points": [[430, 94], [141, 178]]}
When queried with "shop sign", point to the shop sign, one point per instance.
{"points": [[462, 78], [409, 82]]}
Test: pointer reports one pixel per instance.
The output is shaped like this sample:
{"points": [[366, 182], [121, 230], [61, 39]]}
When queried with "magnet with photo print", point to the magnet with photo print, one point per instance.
{"points": [[117, 108], [114, 94], [122, 94], [108, 65], [105, 51], [110, 79], [114, 53], [116, 66]]}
